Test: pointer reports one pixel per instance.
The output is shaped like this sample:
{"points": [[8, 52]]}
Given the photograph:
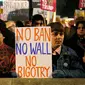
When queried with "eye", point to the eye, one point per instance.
{"points": [[81, 27], [61, 33], [55, 33]]}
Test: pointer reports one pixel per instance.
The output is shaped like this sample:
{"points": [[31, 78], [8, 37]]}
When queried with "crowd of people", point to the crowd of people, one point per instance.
{"points": [[68, 46]]}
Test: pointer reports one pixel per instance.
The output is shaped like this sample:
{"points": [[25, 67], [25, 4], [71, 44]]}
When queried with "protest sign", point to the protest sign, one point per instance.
{"points": [[33, 52], [81, 3], [36, 3], [49, 5], [15, 10]]}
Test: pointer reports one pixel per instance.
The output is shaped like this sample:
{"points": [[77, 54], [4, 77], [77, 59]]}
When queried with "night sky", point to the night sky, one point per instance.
{"points": [[67, 7]]}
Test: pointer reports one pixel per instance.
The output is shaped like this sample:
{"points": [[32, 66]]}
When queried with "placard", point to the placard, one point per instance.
{"points": [[33, 52], [49, 5], [81, 3], [15, 10]]}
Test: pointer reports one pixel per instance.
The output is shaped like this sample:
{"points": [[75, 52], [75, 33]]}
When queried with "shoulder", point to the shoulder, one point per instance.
{"points": [[68, 50], [10, 49]]}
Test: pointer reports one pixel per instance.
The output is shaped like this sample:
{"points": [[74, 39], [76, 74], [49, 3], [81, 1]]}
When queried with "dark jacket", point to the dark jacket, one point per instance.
{"points": [[77, 45], [67, 65], [73, 43], [9, 36]]}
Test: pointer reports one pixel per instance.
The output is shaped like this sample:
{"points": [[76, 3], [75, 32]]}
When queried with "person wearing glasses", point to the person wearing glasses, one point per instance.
{"points": [[65, 62]]}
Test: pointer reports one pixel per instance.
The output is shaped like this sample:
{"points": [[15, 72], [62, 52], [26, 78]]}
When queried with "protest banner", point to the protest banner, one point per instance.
{"points": [[81, 3], [49, 5], [15, 10], [36, 3], [33, 52]]}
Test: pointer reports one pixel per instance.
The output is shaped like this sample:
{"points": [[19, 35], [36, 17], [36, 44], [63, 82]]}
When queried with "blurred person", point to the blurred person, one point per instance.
{"points": [[77, 41], [80, 49], [67, 33], [58, 19], [28, 23], [63, 22], [19, 23], [71, 23], [9, 35], [37, 20], [70, 30], [65, 62], [81, 29], [7, 59], [11, 25]]}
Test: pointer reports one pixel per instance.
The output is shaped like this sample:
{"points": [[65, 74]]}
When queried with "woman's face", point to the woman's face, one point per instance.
{"points": [[81, 30]]}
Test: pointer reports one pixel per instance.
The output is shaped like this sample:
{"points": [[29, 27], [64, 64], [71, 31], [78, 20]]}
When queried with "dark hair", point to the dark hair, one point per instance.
{"points": [[2, 27], [37, 17], [56, 26], [2, 24], [81, 18], [80, 22], [19, 24]]}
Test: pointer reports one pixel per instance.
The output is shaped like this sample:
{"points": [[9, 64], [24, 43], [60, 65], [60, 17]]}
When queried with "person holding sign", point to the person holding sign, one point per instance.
{"points": [[66, 63]]}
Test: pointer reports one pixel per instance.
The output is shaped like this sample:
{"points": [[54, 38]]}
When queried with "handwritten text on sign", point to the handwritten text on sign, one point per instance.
{"points": [[49, 5], [81, 3], [33, 52]]}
